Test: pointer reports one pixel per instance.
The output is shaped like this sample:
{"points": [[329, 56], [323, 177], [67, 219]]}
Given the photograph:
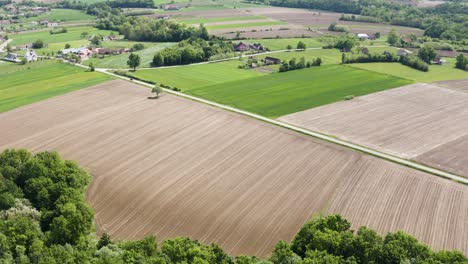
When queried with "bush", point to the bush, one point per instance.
{"points": [[415, 63], [349, 97], [38, 44], [138, 46]]}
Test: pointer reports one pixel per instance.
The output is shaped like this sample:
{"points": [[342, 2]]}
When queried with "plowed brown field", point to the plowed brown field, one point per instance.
{"points": [[407, 122], [174, 167]]}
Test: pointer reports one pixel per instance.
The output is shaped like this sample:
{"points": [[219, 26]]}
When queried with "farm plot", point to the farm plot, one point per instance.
{"points": [[25, 84], [74, 33], [174, 167], [406, 122], [279, 94]]}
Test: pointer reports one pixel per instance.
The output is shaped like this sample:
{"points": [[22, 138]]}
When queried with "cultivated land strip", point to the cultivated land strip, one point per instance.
{"points": [[334, 140], [175, 167]]}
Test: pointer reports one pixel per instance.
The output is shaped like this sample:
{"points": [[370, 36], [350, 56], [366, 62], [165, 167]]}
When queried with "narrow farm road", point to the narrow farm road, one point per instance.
{"points": [[4, 44], [318, 135]]}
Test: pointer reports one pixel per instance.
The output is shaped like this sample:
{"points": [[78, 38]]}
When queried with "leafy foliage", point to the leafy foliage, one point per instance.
{"points": [[50, 222]]}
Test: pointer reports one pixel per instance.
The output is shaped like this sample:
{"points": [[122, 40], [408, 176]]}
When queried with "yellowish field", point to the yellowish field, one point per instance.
{"points": [[174, 167]]}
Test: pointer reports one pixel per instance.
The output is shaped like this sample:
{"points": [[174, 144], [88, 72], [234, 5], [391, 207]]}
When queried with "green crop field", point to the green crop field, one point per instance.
{"points": [[243, 25], [195, 76], [192, 20], [63, 15], [120, 61], [282, 43], [435, 73], [22, 85], [72, 34], [279, 94]]}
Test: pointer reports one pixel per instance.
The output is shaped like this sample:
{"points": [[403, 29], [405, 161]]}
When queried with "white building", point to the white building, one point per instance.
{"points": [[30, 55], [52, 24], [362, 36]]}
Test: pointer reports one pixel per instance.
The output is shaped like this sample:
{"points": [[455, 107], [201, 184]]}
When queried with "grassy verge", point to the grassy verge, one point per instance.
{"points": [[26, 84]]}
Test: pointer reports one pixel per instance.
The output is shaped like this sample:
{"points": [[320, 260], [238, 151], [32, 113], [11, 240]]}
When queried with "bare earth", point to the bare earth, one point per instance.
{"points": [[174, 167], [460, 85], [406, 122]]}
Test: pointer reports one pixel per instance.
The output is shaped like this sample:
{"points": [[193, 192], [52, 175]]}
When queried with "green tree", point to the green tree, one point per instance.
{"points": [[289, 47], [138, 46], [158, 60], [156, 90], [67, 46], [282, 254], [133, 61], [462, 62], [38, 44], [393, 38], [91, 67], [427, 54], [301, 45]]}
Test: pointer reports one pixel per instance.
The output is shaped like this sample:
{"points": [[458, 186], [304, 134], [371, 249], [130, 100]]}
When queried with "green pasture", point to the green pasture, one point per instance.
{"points": [[120, 61], [282, 43], [72, 34], [244, 25], [62, 15], [196, 76], [435, 73], [25, 84], [278, 94]]}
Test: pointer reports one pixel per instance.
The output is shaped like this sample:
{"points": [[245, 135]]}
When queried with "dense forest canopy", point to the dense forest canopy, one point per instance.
{"points": [[44, 218]]}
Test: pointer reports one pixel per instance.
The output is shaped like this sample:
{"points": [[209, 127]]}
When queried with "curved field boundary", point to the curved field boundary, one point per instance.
{"points": [[363, 149]]}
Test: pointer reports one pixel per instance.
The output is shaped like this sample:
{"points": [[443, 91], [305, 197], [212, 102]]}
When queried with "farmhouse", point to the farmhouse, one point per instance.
{"points": [[22, 47], [30, 55], [271, 60], [13, 57], [363, 36], [40, 9], [44, 22], [83, 52], [52, 24], [105, 51], [241, 47]]}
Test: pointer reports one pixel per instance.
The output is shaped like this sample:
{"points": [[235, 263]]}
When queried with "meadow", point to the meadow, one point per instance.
{"points": [[62, 15], [435, 73], [279, 94], [196, 76], [74, 33], [120, 61], [43, 80]]}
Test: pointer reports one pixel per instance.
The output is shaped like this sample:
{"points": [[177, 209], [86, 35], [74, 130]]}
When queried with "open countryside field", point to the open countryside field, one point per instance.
{"points": [[244, 25], [199, 20], [62, 15], [421, 121], [435, 73], [282, 43], [279, 94], [241, 183], [74, 33], [195, 76], [120, 61], [44, 80]]}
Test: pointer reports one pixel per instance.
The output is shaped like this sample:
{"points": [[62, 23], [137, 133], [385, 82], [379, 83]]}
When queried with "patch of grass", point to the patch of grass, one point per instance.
{"points": [[72, 34], [26, 84], [120, 61], [217, 19], [204, 8], [328, 56], [63, 15], [244, 25], [279, 94], [196, 76], [282, 43], [435, 73]]}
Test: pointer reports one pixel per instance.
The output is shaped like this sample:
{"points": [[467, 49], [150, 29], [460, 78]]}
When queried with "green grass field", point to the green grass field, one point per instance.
{"points": [[435, 73], [279, 94], [217, 19], [244, 25], [195, 76], [282, 43], [22, 85], [72, 34], [63, 15], [120, 61]]}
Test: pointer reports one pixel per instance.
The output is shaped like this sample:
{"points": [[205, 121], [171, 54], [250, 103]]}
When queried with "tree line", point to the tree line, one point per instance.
{"points": [[292, 64], [191, 51], [44, 218]]}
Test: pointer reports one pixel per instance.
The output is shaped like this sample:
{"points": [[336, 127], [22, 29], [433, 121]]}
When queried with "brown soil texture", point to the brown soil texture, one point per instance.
{"points": [[174, 167], [205, 13], [406, 122], [460, 85], [274, 33]]}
